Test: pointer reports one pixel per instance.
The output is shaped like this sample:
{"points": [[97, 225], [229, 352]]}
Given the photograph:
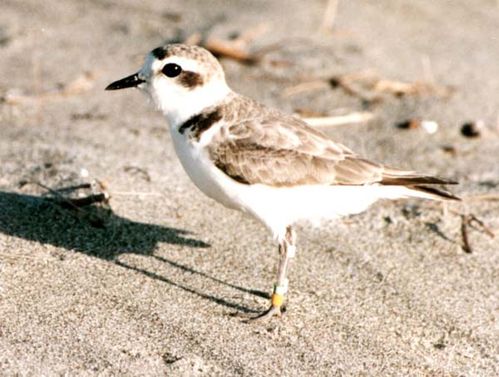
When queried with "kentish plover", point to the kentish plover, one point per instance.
{"points": [[259, 160]]}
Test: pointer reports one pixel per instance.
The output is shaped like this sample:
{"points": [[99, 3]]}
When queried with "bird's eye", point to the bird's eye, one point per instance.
{"points": [[171, 70]]}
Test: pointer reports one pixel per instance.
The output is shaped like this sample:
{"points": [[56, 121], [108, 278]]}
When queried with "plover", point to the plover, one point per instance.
{"points": [[261, 161]]}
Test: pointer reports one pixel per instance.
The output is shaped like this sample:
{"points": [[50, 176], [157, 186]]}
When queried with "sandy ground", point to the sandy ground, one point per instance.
{"points": [[163, 287]]}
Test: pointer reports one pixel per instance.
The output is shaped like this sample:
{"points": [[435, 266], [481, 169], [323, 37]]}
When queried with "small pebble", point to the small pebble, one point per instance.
{"points": [[429, 126], [472, 129], [409, 124]]}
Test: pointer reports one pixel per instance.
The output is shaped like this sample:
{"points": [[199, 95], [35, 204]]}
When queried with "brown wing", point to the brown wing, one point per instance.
{"points": [[277, 149], [282, 150]]}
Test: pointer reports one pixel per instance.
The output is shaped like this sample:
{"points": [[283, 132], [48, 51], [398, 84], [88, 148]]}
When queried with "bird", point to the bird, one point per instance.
{"points": [[266, 163]]}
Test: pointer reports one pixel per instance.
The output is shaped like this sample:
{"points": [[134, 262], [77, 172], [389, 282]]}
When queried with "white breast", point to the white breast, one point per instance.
{"points": [[205, 175]]}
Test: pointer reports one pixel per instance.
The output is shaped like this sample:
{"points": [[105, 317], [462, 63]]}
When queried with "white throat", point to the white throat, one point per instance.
{"points": [[180, 104]]}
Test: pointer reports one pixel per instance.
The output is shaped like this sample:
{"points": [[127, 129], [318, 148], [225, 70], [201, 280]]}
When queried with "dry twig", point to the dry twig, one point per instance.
{"points": [[330, 15], [470, 220], [78, 204], [340, 120], [464, 235], [484, 197], [81, 84], [230, 49], [237, 48], [368, 85], [304, 87]]}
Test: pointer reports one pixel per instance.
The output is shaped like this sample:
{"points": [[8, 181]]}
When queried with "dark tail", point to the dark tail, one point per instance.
{"points": [[438, 193], [394, 177]]}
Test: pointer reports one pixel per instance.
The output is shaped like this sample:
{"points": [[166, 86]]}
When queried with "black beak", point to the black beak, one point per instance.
{"points": [[128, 82]]}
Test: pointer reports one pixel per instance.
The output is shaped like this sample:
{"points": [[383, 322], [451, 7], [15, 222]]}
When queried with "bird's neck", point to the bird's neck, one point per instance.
{"points": [[194, 103]]}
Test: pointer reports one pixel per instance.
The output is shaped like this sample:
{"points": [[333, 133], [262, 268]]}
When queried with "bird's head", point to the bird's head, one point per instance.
{"points": [[181, 80]]}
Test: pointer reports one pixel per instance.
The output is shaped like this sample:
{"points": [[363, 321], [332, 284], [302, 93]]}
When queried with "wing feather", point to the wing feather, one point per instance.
{"points": [[273, 148]]}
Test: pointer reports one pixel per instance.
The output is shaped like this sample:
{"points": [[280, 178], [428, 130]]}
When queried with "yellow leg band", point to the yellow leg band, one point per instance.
{"points": [[277, 300]]}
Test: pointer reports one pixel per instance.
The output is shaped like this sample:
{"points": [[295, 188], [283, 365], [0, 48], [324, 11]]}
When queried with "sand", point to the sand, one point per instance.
{"points": [[163, 287]]}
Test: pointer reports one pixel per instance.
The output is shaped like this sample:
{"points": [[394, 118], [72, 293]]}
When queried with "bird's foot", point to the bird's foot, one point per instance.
{"points": [[273, 311], [276, 310]]}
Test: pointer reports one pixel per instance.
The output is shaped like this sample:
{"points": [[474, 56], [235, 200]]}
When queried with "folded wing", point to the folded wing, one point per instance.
{"points": [[281, 150]]}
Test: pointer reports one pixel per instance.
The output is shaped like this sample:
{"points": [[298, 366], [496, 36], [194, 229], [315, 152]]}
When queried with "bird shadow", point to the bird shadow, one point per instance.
{"points": [[40, 219]]}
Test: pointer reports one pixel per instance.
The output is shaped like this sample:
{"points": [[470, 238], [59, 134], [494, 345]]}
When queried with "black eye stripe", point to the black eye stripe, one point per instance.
{"points": [[171, 70]]}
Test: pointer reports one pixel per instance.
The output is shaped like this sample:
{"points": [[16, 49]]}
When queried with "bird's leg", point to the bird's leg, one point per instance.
{"points": [[287, 250]]}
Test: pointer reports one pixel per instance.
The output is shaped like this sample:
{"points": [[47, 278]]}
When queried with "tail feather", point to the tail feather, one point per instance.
{"points": [[410, 178], [435, 193], [418, 183]]}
